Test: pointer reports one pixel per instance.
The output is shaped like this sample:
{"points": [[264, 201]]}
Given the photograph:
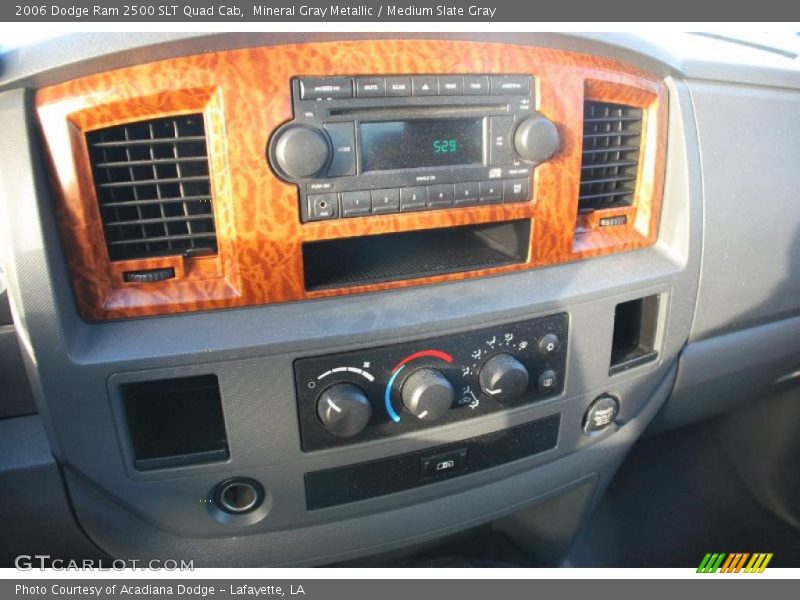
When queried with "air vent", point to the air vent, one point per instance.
{"points": [[611, 140], [153, 187]]}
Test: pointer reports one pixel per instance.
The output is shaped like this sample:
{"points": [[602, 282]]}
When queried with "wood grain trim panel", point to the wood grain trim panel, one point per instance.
{"points": [[245, 94]]}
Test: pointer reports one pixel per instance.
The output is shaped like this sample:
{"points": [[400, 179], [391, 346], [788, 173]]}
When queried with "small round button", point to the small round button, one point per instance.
{"points": [[427, 394], [503, 378], [344, 409], [301, 151], [549, 345], [547, 382], [600, 415]]}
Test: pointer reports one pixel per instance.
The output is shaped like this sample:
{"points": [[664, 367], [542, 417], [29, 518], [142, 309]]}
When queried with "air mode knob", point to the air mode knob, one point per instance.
{"points": [[344, 409], [427, 394], [536, 139], [301, 151], [503, 378]]}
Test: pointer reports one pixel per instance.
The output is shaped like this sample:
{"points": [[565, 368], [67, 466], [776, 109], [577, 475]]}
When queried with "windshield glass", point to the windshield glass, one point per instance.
{"points": [[19, 39], [786, 43]]}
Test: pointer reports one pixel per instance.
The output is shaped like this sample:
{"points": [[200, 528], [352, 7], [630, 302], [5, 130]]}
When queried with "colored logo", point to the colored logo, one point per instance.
{"points": [[734, 563]]}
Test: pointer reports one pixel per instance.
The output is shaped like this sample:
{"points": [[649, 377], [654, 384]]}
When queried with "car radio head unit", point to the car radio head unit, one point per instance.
{"points": [[360, 146]]}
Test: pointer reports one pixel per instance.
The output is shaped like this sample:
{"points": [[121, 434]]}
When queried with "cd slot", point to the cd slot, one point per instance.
{"points": [[363, 260], [362, 112]]}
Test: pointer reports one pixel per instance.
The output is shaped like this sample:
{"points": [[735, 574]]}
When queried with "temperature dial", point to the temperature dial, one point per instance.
{"points": [[344, 409], [427, 394], [503, 378]]}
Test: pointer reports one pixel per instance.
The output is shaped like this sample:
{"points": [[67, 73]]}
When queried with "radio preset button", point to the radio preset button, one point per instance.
{"points": [[499, 140], [491, 192], [451, 86], [413, 198], [356, 204], [476, 86], [398, 86], [323, 206], [511, 84], [424, 86], [516, 190], [370, 87], [440, 196], [385, 201], [328, 87], [466, 194], [344, 149]]}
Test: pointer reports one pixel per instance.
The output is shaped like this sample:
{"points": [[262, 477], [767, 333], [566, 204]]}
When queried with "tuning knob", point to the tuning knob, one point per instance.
{"points": [[503, 378], [427, 394], [536, 139], [344, 409], [300, 151]]}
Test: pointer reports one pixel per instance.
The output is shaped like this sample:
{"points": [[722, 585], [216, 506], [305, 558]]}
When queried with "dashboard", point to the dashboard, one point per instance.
{"points": [[289, 299]]}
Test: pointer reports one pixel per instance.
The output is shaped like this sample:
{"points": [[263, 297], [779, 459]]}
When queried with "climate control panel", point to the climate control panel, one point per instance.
{"points": [[385, 391]]}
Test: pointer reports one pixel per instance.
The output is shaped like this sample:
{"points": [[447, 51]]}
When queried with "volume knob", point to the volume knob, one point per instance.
{"points": [[503, 378], [300, 151], [344, 409], [427, 394], [536, 139]]}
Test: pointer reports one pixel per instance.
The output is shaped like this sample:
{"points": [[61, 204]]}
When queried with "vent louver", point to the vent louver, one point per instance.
{"points": [[153, 187], [611, 140]]}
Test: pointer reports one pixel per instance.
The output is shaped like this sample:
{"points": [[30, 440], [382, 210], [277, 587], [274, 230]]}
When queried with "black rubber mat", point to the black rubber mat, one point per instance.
{"points": [[676, 497]]}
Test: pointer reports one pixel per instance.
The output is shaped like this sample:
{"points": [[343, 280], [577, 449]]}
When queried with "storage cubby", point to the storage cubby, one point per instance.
{"points": [[175, 422], [635, 329], [410, 254]]}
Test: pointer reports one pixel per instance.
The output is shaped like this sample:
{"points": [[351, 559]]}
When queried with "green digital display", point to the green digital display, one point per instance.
{"points": [[445, 146], [418, 143]]}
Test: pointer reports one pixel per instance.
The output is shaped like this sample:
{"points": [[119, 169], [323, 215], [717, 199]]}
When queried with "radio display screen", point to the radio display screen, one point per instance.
{"points": [[420, 143]]}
